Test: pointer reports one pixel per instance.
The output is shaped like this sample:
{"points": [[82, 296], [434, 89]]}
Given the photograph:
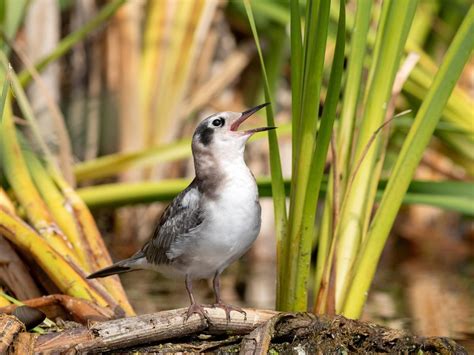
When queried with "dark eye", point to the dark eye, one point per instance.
{"points": [[218, 122]]}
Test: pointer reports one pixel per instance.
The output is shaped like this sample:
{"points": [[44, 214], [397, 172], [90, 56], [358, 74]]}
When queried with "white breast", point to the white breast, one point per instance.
{"points": [[231, 225]]}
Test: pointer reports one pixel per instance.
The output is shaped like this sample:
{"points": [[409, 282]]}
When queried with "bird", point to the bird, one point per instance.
{"points": [[213, 221]]}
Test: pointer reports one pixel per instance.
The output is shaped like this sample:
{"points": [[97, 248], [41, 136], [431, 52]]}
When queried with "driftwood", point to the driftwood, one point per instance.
{"points": [[149, 328], [259, 333]]}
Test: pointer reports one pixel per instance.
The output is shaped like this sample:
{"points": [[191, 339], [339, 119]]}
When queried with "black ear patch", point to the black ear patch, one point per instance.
{"points": [[205, 135]]}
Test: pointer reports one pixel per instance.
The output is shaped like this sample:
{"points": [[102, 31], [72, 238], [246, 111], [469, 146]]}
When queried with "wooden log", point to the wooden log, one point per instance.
{"points": [[283, 332], [10, 326], [128, 332]]}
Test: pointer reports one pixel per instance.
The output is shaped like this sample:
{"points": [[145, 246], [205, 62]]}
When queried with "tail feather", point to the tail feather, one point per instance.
{"points": [[120, 267], [110, 270]]}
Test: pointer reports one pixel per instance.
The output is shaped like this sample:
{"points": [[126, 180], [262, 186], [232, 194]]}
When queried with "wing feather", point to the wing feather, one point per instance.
{"points": [[179, 219]]}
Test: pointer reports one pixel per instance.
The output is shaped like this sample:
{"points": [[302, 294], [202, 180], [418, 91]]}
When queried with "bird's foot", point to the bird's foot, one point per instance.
{"points": [[196, 308], [229, 308]]}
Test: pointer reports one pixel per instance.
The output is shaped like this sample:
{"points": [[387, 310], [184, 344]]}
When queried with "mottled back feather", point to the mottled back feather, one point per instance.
{"points": [[181, 216]]}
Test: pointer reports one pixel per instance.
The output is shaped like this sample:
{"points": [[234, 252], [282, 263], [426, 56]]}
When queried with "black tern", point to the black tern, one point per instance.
{"points": [[214, 221]]}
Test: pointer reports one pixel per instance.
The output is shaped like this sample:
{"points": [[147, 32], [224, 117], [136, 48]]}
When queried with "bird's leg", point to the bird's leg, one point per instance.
{"points": [[219, 304], [194, 307]]}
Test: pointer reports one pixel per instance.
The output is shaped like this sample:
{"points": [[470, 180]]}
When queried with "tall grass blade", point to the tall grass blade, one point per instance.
{"points": [[14, 12], [396, 23], [278, 187], [297, 73], [458, 107], [353, 87], [296, 62], [314, 45], [345, 131], [3, 98], [408, 159], [318, 162], [26, 108], [64, 157]]}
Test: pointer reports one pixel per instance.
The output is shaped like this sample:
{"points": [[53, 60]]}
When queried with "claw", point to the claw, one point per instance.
{"points": [[229, 308], [196, 309]]}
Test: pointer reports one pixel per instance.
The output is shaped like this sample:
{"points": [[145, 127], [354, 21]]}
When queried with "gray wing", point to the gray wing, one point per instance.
{"points": [[181, 216]]}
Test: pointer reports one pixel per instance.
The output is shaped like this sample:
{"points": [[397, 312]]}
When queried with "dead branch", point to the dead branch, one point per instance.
{"points": [[283, 332], [148, 328], [259, 340]]}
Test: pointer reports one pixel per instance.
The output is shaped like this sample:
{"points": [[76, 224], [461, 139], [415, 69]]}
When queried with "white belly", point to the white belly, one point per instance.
{"points": [[231, 225]]}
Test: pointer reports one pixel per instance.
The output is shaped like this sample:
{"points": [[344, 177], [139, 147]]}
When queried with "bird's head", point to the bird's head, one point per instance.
{"points": [[218, 135]]}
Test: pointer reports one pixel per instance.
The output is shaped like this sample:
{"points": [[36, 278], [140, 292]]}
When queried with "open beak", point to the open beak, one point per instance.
{"points": [[246, 114]]}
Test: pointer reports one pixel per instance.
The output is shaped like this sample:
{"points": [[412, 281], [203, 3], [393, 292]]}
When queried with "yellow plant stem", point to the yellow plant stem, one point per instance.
{"points": [[17, 174], [397, 18], [299, 239], [408, 159], [53, 263], [6, 204], [5, 201], [3, 301], [151, 60], [60, 210], [36, 209], [94, 240]]}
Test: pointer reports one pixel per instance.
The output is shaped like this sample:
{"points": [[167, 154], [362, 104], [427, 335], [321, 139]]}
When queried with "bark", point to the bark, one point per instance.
{"points": [[23, 344], [260, 332], [259, 340], [149, 328], [10, 326]]}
